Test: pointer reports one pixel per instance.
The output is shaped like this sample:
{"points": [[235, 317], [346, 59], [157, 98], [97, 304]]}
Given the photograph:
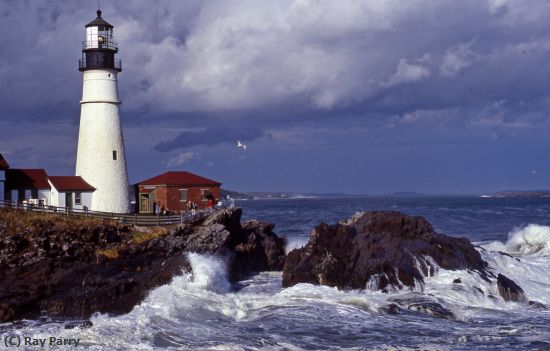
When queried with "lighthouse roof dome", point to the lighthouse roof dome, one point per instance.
{"points": [[99, 21]]}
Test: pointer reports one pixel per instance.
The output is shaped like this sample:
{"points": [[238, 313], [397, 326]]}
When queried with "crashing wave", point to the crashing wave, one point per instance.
{"points": [[529, 240]]}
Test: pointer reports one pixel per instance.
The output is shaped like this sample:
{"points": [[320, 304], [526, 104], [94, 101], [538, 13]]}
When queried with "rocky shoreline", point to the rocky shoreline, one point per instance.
{"points": [[389, 251], [79, 267], [381, 250], [55, 266]]}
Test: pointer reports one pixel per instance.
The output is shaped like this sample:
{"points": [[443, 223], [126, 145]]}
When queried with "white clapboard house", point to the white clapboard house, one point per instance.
{"points": [[35, 187], [70, 191], [4, 166]]}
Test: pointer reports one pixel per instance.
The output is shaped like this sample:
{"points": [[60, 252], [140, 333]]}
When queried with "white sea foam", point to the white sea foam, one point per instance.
{"points": [[295, 243], [532, 239], [200, 306], [526, 260], [209, 273]]}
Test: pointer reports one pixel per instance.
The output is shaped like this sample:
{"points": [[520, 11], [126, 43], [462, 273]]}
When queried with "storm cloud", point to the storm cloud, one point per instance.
{"points": [[210, 137], [201, 74]]}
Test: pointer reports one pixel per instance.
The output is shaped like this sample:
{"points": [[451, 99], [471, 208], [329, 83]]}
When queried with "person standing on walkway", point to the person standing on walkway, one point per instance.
{"points": [[157, 211]]}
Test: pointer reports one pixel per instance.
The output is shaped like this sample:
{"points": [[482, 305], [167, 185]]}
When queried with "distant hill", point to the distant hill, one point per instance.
{"points": [[296, 195], [280, 195], [519, 193], [406, 194], [235, 195]]}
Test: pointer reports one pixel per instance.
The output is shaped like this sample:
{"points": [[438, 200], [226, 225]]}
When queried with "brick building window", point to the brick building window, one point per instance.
{"points": [[183, 195], [204, 193]]}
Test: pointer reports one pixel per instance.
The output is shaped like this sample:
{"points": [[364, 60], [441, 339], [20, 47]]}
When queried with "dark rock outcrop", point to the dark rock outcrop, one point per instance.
{"points": [[509, 290], [76, 270], [377, 250]]}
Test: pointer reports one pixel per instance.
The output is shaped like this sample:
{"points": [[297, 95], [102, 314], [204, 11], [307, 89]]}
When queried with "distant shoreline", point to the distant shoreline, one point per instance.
{"points": [[297, 196]]}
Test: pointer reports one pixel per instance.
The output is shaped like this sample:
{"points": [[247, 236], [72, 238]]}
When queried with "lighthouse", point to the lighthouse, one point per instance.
{"points": [[100, 157]]}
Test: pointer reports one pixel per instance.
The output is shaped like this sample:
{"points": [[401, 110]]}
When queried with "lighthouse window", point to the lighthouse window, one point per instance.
{"points": [[114, 155]]}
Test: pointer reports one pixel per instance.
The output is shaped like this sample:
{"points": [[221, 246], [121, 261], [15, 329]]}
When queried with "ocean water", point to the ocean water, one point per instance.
{"points": [[204, 311]]}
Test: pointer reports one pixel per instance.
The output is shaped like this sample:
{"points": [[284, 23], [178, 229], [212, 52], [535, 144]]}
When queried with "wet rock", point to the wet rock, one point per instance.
{"points": [[257, 249], [537, 304], [432, 308], [75, 271], [381, 250], [422, 304], [508, 255], [79, 325], [478, 290], [457, 281], [509, 290], [393, 309]]}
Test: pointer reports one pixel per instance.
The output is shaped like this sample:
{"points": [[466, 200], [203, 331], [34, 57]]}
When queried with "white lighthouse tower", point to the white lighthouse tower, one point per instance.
{"points": [[100, 157]]}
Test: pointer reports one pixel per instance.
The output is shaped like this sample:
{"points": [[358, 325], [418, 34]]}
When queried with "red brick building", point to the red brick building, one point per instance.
{"points": [[173, 190]]}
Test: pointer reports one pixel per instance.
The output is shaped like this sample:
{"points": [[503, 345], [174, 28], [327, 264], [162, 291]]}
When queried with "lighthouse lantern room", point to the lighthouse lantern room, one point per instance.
{"points": [[99, 49], [100, 157]]}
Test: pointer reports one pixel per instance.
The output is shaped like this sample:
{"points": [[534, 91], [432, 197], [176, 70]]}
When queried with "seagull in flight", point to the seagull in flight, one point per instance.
{"points": [[239, 144]]}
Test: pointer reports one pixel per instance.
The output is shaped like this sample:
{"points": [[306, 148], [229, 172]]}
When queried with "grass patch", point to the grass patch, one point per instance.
{"points": [[18, 221], [111, 253], [152, 233]]}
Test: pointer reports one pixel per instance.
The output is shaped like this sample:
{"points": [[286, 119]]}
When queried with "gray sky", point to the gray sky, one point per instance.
{"points": [[330, 96]]}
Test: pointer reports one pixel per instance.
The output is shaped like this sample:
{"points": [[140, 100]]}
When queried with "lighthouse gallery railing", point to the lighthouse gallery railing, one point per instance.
{"points": [[82, 64]]}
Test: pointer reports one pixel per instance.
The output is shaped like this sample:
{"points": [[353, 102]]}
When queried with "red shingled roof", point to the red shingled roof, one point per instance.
{"points": [[70, 183], [3, 163], [181, 179], [26, 179]]}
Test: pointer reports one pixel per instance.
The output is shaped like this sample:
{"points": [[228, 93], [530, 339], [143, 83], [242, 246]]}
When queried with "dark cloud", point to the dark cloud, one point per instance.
{"points": [[310, 74], [210, 137], [222, 58]]}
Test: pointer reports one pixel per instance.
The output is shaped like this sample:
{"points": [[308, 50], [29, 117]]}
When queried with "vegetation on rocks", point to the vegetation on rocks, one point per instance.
{"points": [[67, 266]]}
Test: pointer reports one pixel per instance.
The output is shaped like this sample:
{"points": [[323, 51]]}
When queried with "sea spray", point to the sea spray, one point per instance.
{"points": [[209, 273], [262, 315], [533, 239], [295, 243]]}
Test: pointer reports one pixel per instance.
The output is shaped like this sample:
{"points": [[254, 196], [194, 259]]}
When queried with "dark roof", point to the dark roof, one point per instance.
{"points": [[70, 183], [26, 179], [99, 21], [3, 163], [181, 179]]}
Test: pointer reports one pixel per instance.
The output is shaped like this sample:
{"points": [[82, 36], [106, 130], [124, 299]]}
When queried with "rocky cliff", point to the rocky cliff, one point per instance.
{"points": [[379, 250], [75, 267]]}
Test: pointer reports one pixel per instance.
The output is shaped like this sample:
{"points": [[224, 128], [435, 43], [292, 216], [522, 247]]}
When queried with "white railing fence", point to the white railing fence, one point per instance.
{"points": [[141, 219]]}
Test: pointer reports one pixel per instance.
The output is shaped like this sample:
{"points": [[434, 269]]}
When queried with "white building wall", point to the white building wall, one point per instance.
{"points": [[2, 185], [100, 134], [55, 198], [45, 194], [2, 197], [86, 201], [58, 199]]}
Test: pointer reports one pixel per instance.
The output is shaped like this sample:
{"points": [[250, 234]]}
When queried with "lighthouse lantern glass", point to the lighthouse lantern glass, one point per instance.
{"points": [[99, 37]]}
